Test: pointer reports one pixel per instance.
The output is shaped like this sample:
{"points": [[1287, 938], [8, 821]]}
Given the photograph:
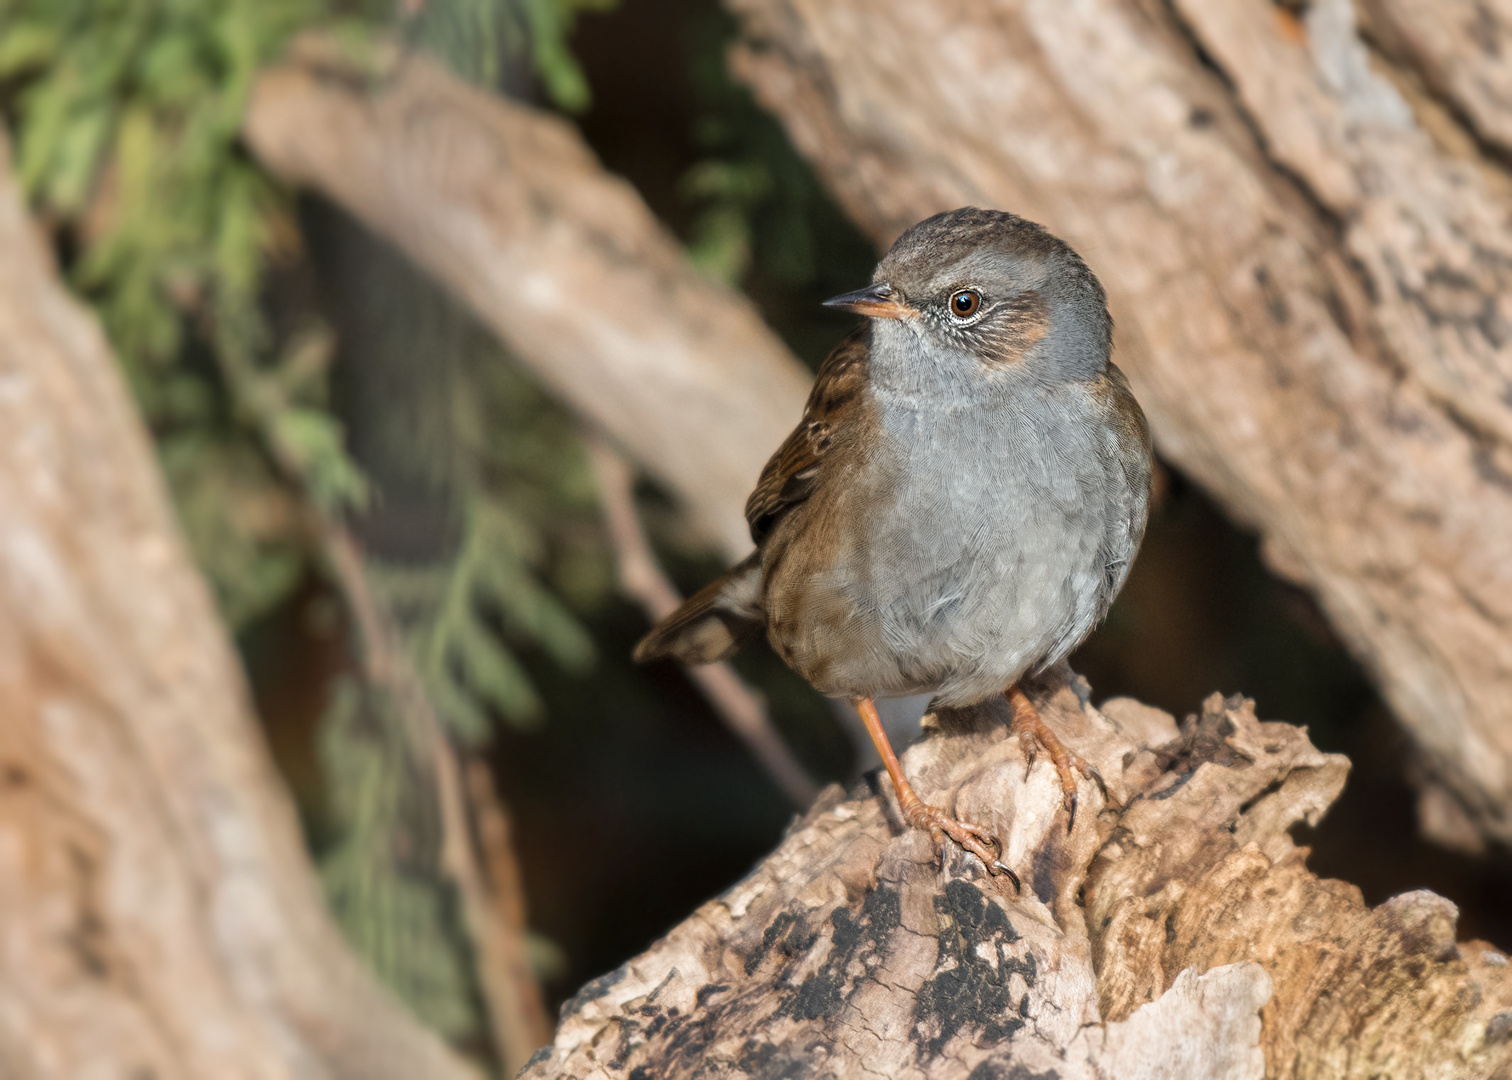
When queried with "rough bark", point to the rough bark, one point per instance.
{"points": [[508, 208], [1174, 932], [160, 917], [1308, 254]]}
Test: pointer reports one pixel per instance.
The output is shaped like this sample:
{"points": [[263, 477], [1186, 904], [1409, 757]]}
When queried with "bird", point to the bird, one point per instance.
{"points": [[960, 502]]}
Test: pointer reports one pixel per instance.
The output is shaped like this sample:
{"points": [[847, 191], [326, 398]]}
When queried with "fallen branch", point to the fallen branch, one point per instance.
{"points": [[494, 924], [507, 207], [1175, 932]]}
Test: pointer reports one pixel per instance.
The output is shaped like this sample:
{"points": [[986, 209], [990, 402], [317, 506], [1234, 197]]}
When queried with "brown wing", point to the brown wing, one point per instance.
{"points": [[710, 624], [792, 472]]}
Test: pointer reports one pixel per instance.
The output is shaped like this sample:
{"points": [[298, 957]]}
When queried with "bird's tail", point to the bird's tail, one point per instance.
{"points": [[712, 623]]}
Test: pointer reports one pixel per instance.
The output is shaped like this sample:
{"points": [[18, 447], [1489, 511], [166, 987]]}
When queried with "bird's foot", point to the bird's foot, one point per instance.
{"points": [[920, 814], [1031, 729], [973, 838]]}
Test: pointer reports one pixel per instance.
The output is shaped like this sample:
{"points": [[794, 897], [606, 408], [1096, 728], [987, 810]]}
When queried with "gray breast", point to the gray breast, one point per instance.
{"points": [[985, 554]]}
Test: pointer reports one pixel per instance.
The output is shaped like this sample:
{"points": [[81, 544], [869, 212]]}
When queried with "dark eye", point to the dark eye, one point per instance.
{"points": [[964, 304]]}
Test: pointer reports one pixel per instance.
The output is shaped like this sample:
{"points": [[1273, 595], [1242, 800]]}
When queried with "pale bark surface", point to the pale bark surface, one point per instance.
{"points": [[1308, 257], [1175, 932], [508, 208], [158, 914]]}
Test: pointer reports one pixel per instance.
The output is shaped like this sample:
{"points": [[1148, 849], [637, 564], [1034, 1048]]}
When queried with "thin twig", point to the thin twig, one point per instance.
{"points": [[642, 580], [517, 1014]]}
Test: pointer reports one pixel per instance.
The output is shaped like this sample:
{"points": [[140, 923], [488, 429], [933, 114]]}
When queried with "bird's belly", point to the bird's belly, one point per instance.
{"points": [[962, 585]]}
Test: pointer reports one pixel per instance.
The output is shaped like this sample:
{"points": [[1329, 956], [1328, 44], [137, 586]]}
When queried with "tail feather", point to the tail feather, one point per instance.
{"points": [[713, 622]]}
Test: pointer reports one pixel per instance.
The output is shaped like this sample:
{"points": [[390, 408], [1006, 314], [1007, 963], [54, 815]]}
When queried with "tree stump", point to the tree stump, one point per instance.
{"points": [[1174, 931]]}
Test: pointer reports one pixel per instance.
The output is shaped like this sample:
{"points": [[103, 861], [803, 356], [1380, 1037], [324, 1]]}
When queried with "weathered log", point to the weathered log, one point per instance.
{"points": [[507, 207], [160, 916], [1173, 932], [1308, 257]]}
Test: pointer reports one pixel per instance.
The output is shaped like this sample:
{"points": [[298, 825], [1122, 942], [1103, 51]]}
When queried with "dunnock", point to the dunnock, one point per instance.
{"points": [[960, 502]]}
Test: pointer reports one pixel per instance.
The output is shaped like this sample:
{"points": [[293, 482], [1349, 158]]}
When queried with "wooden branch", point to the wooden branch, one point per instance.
{"points": [[642, 580], [161, 917], [1453, 45], [1176, 932], [507, 207], [1308, 260], [517, 1007]]}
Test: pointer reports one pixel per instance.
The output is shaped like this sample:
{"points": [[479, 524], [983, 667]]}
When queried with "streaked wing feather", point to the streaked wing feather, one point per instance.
{"points": [[793, 471]]}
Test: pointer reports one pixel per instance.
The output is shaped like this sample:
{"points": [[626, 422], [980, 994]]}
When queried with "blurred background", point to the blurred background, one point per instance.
{"points": [[296, 371]]}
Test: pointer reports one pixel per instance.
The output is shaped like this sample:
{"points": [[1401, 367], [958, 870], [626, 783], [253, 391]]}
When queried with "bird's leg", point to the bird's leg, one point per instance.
{"points": [[1028, 725], [920, 814]]}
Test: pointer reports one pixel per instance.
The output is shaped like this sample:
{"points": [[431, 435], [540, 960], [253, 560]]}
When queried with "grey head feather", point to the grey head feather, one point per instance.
{"points": [[1036, 291]]}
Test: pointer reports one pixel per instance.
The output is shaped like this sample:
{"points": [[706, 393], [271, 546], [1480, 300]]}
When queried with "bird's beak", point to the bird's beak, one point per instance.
{"points": [[875, 301]]}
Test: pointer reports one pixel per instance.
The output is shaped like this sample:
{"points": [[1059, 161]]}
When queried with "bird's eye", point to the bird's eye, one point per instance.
{"points": [[964, 304]]}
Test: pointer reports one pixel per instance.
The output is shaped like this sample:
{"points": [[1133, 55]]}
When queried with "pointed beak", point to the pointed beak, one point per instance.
{"points": [[874, 301]]}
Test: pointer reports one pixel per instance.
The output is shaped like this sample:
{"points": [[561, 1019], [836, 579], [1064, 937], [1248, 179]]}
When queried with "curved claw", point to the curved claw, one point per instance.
{"points": [[1067, 764], [1087, 769], [1033, 731], [1097, 778], [972, 838], [1004, 868]]}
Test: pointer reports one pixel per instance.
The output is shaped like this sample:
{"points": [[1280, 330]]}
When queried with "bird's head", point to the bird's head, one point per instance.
{"points": [[988, 288]]}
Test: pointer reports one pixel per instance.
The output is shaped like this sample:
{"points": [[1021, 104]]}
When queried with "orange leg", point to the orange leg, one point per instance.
{"points": [[1028, 725], [920, 814]]}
